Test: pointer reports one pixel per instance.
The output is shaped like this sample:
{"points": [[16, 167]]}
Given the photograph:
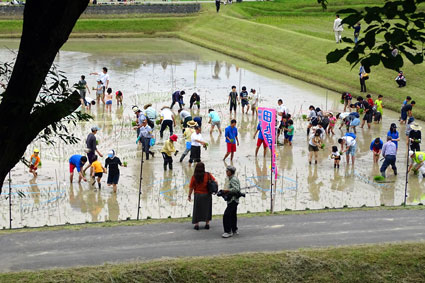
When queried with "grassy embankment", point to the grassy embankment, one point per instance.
{"points": [[288, 36], [379, 263]]}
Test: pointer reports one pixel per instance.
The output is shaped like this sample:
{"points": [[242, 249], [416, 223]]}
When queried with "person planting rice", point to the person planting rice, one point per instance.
{"points": [[77, 161], [376, 147], [255, 99], [314, 144], [177, 97], [335, 156], [167, 150], [231, 136], [368, 113], [417, 162], [145, 137], [196, 142], [415, 137], [184, 117], [97, 171], [346, 99], [379, 109], [394, 134], [111, 163], [195, 99], [119, 97], [151, 114], [167, 118], [187, 137], [108, 99], [214, 120], [389, 152], [348, 146], [289, 132], [233, 100], [312, 118], [332, 123], [99, 92], [34, 162], [91, 144], [244, 100]]}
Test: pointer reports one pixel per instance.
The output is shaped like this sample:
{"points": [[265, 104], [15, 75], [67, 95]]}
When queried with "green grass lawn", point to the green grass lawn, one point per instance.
{"points": [[288, 36], [376, 263]]}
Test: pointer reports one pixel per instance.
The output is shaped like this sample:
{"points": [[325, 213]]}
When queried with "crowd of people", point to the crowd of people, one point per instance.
{"points": [[320, 124]]}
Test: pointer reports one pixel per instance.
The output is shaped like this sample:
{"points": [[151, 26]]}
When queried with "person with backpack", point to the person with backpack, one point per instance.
{"points": [[230, 218], [348, 146], [363, 77], [202, 201]]}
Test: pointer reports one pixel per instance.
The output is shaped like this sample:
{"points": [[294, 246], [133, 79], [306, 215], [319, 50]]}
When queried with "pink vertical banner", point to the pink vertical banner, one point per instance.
{"points": [[267, 118]]}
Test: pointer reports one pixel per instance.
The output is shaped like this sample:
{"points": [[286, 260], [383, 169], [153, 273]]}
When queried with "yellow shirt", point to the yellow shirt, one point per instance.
{"points": [[188, 133], [97, 166], [168, 148]]}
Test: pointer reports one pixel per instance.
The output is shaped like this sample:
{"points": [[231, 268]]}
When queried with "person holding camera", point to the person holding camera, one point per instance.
{"points": [[230, 214], [202, 202]]}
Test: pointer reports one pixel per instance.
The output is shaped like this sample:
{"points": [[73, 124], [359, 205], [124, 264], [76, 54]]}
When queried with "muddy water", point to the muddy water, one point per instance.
{"points": [[147, 71]]}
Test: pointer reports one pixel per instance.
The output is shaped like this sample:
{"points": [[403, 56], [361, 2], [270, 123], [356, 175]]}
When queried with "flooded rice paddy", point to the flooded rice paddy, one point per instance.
{"points": [[148, 71]]}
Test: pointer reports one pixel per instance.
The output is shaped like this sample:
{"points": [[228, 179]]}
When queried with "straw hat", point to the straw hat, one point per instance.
{"points": [[192, 123], [147, 106], [416, 127]]}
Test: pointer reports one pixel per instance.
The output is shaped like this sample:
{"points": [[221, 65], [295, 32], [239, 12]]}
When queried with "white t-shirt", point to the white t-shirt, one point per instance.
{"points": [[344, 115], [184, 114], [195, 137], [104, 78], [166, 114], [281, 109], [254, 97], [312, 114], [349, 141], [337, 25]]}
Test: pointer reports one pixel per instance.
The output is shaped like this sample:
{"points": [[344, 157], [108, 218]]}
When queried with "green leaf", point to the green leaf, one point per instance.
{"points": [[336, 55]]}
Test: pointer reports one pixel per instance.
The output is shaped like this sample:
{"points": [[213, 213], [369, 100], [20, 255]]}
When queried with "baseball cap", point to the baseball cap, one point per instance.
{"points": [[95, 128]]}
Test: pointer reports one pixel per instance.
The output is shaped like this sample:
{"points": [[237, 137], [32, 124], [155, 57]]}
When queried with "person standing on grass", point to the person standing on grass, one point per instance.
{"points": [[376, 147], [406, 112], [338, 29], [231, 136], [260, 140], [167, 150], [244, 100], [145, 137], [415, 137], [349, 143], [167, 118], [177, 97], [363, 77], [230, 216], [188, 138], [112, 163], [214, 120], [357, 29], [77, 161], [202, 201], [233, 100], [196, 142], [104, 78], [217, 5], [82, 87], [389, 152], [91, 144]]}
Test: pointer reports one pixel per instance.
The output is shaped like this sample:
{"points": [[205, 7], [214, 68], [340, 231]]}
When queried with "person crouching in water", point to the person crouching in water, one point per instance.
{"points": [[97, 171], [167, 152], [230, 218]]}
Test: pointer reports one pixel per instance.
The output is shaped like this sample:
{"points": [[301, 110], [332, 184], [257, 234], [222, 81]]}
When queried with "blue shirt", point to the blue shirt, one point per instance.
{"points": [[231, 133], [76, 160], [394, 136], [389, 148], [260, 133], [145, 132], [376, 146], [141, 118], [214, 116]]}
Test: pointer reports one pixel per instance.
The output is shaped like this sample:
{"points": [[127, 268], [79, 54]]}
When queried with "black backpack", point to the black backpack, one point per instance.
{"points": [[212, 185]]}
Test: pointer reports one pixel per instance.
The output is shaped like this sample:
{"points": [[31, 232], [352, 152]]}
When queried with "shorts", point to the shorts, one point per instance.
{"points": [[403, 115], [109, 102], [352, 150], [378, 116], [312, 148], [83, 95], [314, 122], [261, 142], [290, 138], [32, 167], [231, 147], [71, 167], [244, 102], [355, 122], [337, 158], [376, 150], [216, 123], [368, 117], [99, 95], [99, 174], [232, 106], [113, 179], [90, 156]]}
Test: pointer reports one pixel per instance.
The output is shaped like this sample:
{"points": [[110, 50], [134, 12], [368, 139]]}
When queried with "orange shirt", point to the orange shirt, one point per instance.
{"points": [[35, 160], [200, 188]]}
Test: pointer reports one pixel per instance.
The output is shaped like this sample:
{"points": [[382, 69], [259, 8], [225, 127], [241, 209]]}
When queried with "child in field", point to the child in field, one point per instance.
{"points": [[35, 161], [97, 171], [376, 147], [109, 99], [99, 92], [118, 97], [89, 102], [370, 100], [335, 156], [332, 123], [114, 172], [379, 109], [260, 140], [167, 150], [289, 132]]}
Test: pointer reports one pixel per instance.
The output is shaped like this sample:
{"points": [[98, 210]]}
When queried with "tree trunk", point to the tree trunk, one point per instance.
{"points": [[46, 27]]}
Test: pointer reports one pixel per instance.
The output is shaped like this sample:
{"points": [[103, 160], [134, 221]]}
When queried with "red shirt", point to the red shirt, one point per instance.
{"points": [[200, 188], [370, 101]]}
